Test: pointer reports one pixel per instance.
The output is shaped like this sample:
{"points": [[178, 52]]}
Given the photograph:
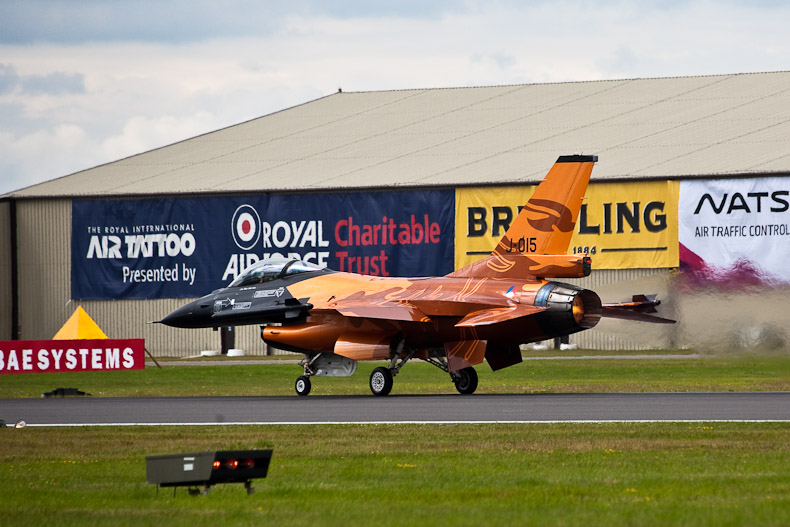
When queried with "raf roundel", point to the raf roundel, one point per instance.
{"points": [[245, 227]]}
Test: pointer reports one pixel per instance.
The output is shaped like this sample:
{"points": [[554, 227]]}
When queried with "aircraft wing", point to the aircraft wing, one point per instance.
{"points": [[402, 311], [472, 315]]}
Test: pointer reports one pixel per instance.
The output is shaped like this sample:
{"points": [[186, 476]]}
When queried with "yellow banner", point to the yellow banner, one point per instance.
{"points": [[621, 225]]}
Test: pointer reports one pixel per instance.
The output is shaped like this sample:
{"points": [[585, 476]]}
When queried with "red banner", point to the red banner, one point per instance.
{"points": [[51, 356]]}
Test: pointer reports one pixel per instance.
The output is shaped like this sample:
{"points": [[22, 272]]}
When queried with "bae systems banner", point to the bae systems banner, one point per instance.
{"points": [[187, 247], [620, 225], [50, 356], [736, 229]]}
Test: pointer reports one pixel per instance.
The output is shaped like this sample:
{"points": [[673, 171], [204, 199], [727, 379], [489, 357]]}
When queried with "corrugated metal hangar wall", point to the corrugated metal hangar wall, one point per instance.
{"points": [[746, 116], [6, 275]]}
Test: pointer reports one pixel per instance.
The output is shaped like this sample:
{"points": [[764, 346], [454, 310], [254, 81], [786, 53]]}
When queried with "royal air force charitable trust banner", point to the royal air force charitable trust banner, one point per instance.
{"points": [[620, 225], [736, 228], [187, 247]]}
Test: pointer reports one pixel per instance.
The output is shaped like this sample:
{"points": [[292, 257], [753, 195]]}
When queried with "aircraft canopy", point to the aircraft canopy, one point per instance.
{"points": [[272, 269]]}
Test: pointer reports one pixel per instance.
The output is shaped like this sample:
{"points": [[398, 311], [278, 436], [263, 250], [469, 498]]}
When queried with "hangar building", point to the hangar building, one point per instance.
{"points": [[355, 148]]}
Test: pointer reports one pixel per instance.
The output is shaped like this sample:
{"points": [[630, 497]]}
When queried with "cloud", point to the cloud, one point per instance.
{"points": [[53, 150], [55, 83], [89, 82], [177, 21], [9, 79]]}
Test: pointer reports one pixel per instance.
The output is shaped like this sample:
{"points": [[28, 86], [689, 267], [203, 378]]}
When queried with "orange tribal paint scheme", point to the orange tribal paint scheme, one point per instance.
{"points": [[482, 312]]}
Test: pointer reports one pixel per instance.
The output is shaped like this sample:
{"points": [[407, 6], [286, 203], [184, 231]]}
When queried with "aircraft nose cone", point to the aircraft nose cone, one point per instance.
{"points": [[192, 315]]}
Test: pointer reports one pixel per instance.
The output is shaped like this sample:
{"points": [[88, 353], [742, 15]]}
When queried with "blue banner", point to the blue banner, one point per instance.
{"points": [[187, 247]]}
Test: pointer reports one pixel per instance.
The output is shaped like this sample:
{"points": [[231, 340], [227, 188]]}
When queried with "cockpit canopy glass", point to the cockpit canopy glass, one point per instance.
{"points": [[272, 269]]}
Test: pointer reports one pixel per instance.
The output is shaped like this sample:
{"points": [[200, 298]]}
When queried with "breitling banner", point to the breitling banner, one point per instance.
{"points": [[186, 247], [736, 229], [620, 225]]}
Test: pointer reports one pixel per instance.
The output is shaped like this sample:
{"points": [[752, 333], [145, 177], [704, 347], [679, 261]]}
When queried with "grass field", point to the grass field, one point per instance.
{"points": [[508, 474], [593, 474]]}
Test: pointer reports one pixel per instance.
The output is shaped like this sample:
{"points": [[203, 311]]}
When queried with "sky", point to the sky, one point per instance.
{"points": [[87, 82]]}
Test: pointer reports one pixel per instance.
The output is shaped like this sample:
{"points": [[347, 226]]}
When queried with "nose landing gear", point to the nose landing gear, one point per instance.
{"points": [[303, 385]]}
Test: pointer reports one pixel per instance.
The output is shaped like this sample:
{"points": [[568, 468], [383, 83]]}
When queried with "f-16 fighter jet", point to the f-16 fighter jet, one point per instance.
{"points": [[482, 312]]}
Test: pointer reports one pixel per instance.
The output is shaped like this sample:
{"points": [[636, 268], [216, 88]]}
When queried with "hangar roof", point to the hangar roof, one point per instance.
{"points": [[722, 125]]}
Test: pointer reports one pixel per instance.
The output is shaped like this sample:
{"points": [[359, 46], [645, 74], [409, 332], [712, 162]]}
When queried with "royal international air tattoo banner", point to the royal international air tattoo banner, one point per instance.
{"points": [[187, 247], [736, 230], [620, 225]]}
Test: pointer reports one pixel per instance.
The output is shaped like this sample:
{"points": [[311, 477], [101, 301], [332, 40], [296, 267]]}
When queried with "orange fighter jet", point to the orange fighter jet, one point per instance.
{"points": [[481, 312]]}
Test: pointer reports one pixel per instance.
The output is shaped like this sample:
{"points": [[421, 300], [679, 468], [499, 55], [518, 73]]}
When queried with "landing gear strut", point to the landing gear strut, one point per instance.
{"points": [[465, 380], [381, 377]]}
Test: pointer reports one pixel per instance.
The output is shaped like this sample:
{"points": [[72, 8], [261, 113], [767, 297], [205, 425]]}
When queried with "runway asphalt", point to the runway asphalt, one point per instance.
{"points": [[400, 409]]}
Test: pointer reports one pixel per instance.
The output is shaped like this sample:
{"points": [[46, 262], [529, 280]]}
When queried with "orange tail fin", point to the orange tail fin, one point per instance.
{"points": [[545, 224], [542, 230]]}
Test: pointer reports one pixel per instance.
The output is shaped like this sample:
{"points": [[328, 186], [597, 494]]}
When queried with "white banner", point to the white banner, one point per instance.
{"points": [[736, 229]]}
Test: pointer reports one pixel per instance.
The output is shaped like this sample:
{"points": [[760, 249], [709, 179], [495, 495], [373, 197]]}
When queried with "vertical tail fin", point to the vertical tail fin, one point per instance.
{"points": [[541, 233], [545, 224]]}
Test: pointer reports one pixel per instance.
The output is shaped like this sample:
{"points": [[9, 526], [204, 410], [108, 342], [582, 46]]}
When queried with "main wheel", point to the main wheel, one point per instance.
{"points": [[466, 380], [302, 385], [381, 381]]}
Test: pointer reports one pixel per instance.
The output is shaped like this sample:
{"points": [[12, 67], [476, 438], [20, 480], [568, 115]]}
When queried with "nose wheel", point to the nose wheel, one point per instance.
{"points": [[302, 385]]}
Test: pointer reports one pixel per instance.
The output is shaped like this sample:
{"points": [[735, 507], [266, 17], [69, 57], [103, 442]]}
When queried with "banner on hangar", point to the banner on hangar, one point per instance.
{"points": [[185, 247], [735, 229], [621, 225]]}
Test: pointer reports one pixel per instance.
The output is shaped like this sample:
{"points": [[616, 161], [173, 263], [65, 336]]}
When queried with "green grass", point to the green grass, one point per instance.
{"points": [[720, 373], [581, 474], [508, 474]]}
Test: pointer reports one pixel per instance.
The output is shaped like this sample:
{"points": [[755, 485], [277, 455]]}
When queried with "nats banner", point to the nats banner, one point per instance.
{"points": [[187, 247], [620, 225], [736, 229], [51, 356]]}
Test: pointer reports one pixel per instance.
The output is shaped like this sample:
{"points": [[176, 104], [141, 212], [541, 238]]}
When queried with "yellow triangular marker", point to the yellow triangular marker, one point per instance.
{"points": [[79, 326]]}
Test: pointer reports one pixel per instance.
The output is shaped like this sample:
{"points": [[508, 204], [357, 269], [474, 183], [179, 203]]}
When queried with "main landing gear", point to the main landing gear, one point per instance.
{"points": [[381, 382], [465, 380], [381, 378]]}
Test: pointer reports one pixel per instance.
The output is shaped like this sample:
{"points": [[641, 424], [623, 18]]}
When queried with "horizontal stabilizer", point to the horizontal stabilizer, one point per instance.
{"points": [[624, 314], [638, 309], [640, 303]]}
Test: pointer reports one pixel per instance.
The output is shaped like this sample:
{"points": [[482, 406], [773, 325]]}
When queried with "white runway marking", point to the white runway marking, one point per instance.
{"points": [[323, 423]]}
